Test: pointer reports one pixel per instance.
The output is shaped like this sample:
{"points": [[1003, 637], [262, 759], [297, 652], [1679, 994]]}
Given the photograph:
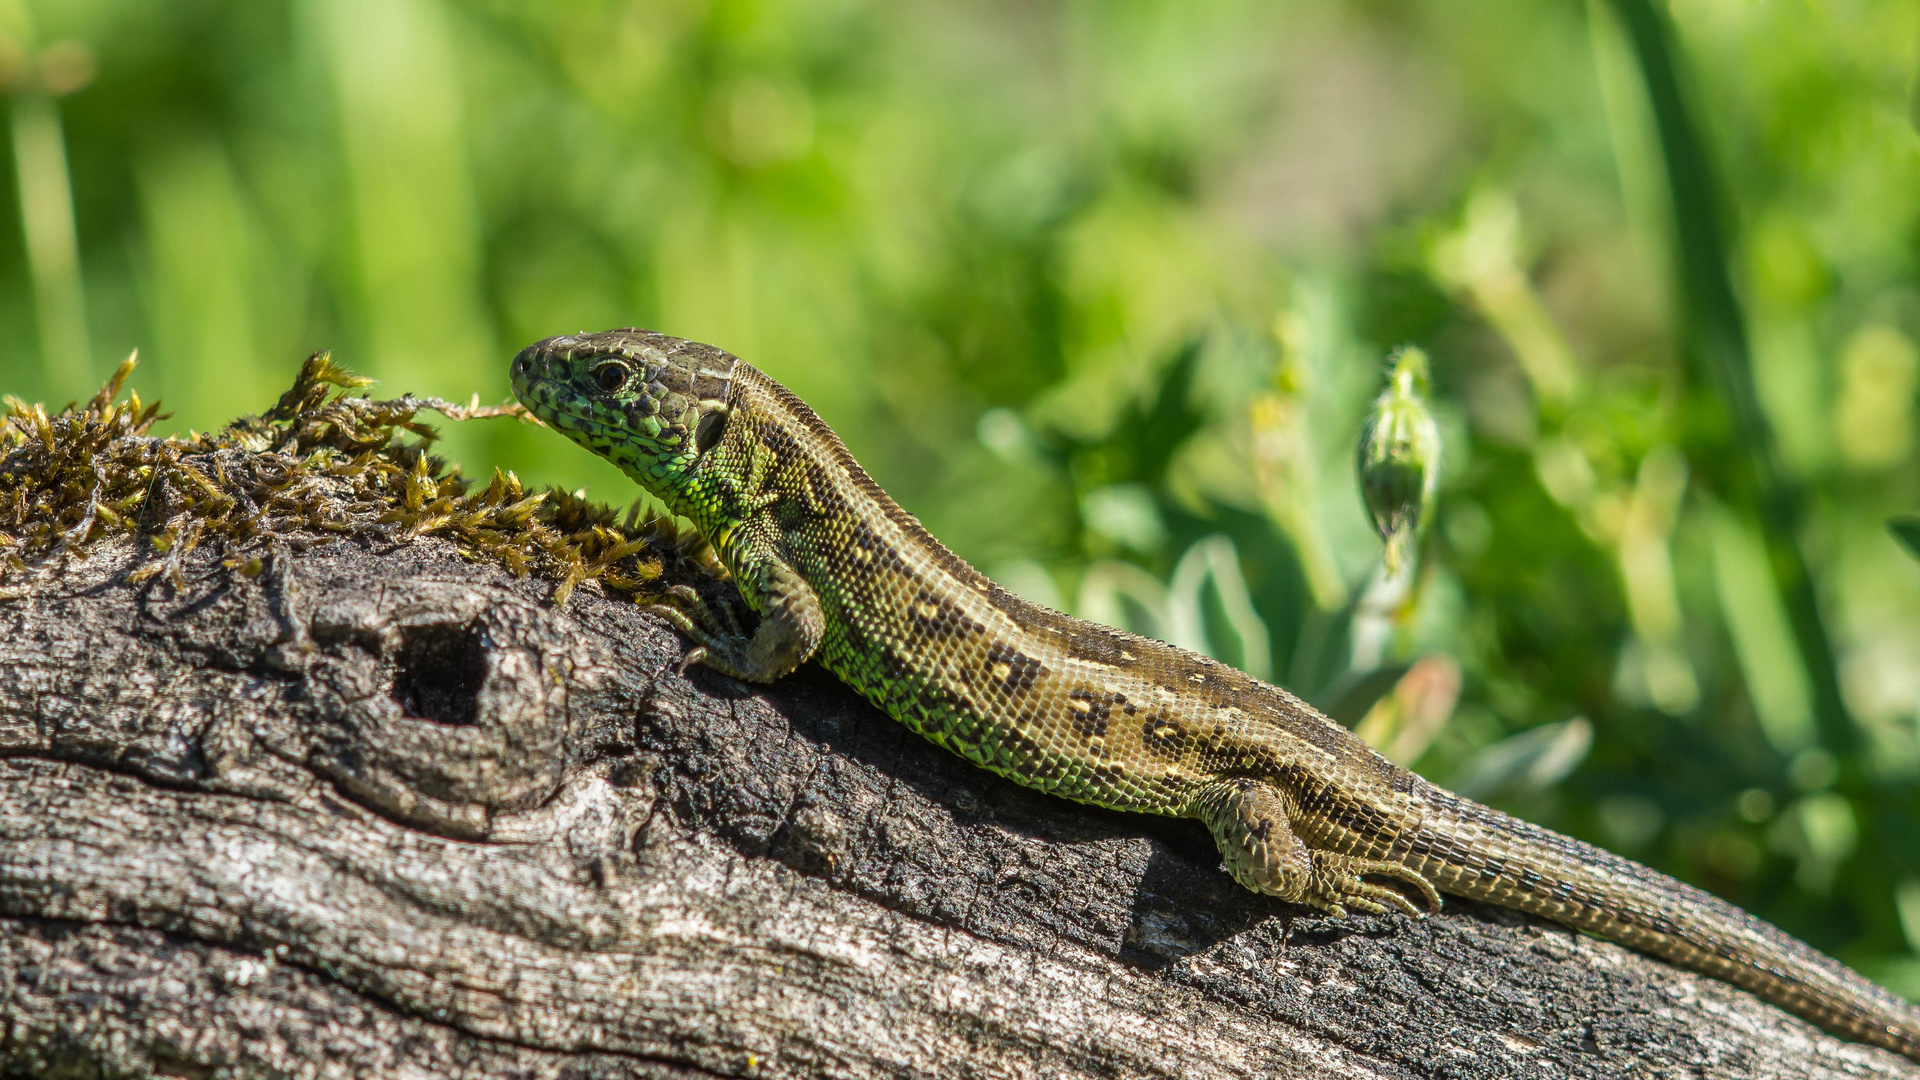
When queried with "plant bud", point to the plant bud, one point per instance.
{"points": [[1399, 461]]}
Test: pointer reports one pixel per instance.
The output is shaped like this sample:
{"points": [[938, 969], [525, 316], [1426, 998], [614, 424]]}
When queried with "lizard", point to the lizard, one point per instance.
{"points": [[1302, 809]]}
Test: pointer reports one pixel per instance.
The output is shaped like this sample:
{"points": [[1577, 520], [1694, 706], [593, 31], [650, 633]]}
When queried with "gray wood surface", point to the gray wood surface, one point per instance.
{"points": [[382, 812]]}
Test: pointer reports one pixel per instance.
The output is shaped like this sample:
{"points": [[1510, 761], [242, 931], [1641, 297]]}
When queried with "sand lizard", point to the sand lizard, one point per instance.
{"points": [[1301, 808]]}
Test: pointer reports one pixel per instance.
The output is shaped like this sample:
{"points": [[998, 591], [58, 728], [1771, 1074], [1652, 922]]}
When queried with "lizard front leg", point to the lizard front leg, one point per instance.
{"points": [[1249, 820], [792, 621]]}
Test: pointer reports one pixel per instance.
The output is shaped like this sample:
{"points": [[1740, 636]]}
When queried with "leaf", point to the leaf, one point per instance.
{"points": [[1533, 760], [1215, 558], [1402, 725], [1354, 693], [1906, 529]]}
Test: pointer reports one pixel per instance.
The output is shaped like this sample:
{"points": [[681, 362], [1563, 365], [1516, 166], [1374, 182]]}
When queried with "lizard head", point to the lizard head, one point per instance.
{"points": [[649, 403]]}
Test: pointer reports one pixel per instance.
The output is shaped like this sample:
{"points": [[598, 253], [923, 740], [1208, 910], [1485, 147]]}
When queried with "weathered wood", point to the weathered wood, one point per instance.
{"points": [[378, 811]]}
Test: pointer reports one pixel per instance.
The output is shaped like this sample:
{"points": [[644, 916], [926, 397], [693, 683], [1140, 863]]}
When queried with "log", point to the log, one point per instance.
{"points": [[377, 810]]}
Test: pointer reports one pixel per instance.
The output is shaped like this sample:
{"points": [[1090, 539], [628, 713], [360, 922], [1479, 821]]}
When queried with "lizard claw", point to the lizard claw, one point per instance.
{"points": [[1342, 879], [717, 640], [693, 656]]}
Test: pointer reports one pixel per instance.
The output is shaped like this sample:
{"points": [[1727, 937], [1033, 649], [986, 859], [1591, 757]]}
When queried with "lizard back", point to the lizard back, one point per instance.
{"points": [[1071, 707]]}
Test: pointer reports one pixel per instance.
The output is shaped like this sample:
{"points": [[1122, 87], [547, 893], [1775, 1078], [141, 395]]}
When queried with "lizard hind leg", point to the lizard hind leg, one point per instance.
{"points": [[1249, 820]]}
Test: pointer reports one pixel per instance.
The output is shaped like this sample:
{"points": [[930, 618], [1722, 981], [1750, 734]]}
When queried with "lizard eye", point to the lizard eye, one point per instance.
{"points": [[612, 375]]}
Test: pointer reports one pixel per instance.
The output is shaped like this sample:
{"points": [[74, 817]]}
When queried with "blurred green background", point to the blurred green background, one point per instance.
{"points": [[1101, 290]]}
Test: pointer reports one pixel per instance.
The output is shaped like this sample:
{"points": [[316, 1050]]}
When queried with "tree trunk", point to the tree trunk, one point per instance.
{"points": [[376, 810]]}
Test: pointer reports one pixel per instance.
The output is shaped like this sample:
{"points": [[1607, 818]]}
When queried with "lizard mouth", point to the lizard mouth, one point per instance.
{"points": [[571, 421], [546, 397]]}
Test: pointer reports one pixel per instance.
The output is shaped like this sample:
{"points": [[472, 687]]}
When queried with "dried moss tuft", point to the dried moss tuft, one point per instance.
{"points": [[325, 462]]}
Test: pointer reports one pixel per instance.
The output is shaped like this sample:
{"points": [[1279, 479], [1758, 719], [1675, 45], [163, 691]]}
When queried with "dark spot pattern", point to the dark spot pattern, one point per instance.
{"points": [[1262, 829], [1351, 814], [781, 444], [821, 492], [938, 619], [878, 554], [893, 666], [1019, 748], [1014, 671], [887, 663], [1447, 849], [1089, 711], [1163, 737]]}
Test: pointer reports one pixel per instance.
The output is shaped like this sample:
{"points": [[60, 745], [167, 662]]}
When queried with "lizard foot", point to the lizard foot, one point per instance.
{"points": [[790, 628], [1249, 820], [1339, 882], [715, 632]]}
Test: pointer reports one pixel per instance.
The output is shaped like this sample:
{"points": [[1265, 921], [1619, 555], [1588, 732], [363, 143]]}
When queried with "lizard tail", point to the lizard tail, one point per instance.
{"points": [[1470, 850]]}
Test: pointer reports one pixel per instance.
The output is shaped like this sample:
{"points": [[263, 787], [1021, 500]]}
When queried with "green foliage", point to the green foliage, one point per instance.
{"points": [[1102, 293], [1906, 529]]}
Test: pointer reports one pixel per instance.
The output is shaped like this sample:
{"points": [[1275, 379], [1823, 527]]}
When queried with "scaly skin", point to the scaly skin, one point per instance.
{"points": [[1302, 809]]}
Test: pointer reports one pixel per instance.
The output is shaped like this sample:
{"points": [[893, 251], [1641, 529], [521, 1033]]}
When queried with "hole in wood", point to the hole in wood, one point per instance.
{"points": [[439, 670]]}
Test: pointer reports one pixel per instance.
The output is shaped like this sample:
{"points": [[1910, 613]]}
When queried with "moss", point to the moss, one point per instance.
{"points": [[326, 462]]}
